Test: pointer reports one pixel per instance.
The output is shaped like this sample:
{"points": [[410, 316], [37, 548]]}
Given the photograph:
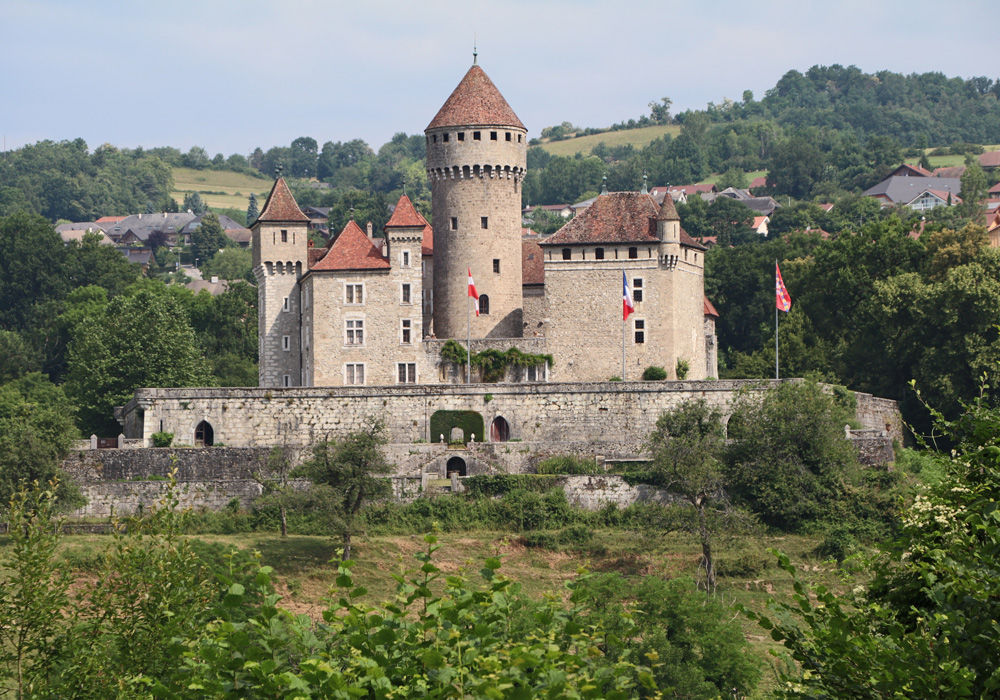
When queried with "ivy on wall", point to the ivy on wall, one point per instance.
{"points": [[493, 363], [470, 422]]}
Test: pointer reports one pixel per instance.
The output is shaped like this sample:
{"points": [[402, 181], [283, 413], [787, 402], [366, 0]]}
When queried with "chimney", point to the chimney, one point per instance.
{"points": [[140, 215], [371, 235], [215, 279]]}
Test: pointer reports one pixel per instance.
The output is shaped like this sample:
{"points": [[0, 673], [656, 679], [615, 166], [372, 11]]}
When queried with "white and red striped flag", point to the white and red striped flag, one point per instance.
{"points": [[472, 291]]}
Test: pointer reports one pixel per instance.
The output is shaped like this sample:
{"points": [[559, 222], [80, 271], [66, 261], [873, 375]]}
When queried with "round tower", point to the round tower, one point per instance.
{"points": [[476, 158]]}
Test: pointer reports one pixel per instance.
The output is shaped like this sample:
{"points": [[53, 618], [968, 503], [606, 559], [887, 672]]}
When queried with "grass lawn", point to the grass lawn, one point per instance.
{"points": [[232, 189], [948, 161], [637, 137]]}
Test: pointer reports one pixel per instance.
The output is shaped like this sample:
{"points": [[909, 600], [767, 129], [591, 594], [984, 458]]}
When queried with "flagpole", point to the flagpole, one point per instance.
{"points": [[624, 321], [468, 344], [776, 330]]}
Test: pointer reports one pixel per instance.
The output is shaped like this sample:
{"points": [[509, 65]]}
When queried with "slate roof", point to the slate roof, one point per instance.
{"points": [[69, 234], [475, 102], [532, 263], [405, 215], [352, 250], [617, 217], [686, 189], [79, 226], [903, 189], [940, 194], [281, 206], [142, 225]]}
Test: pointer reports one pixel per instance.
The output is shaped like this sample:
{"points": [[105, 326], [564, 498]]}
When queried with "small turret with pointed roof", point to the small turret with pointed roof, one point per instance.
{"points": [[281, 205], [668, 221]]}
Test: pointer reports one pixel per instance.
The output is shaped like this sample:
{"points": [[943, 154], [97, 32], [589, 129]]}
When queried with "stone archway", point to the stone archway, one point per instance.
{"points": [[499, 430], [204, 435], [456, 464]]}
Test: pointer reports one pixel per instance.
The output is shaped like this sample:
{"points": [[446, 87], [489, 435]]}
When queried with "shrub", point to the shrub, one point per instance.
{"points": [[682, 369], [568, 464], [162, 439], [654, 374], [540, 540], [471, 423], [578, 535], [748, 561]]}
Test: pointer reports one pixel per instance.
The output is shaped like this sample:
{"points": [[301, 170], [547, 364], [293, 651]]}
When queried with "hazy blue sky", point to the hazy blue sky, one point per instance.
{"points": [[233, 75]]}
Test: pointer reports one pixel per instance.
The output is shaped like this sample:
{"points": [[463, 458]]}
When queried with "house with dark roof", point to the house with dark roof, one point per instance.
{"points": [[899, 190], [763, 206]]}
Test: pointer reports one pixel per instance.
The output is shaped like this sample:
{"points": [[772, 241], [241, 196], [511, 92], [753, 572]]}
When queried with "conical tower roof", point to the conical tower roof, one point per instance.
{"points": [[668, 212], [281, 205], [405, 215], [475, 102]]}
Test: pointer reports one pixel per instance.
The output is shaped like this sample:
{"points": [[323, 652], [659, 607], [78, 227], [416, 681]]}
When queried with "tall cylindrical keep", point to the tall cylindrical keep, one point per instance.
{"points": [[476, 158]]}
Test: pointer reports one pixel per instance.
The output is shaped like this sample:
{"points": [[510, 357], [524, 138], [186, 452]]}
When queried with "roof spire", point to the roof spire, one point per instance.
{"points": [[645, 190], [604, 186], [475, 52], [352, 213], [404, 185], [277, 170]]}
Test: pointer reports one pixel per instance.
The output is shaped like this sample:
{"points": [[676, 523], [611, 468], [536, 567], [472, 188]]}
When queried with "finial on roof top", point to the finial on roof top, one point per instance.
{"points": [[475, 52], [645, 190], [604, 186], [277, 170], [404, 185], [352, 213]]}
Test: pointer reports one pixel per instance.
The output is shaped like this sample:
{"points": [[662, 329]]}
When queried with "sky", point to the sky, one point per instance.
{"points": [[230, 76]]}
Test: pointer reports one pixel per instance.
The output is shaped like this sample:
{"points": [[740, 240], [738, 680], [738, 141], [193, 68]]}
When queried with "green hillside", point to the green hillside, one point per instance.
{"points": [[637, 137], [219, 188]]}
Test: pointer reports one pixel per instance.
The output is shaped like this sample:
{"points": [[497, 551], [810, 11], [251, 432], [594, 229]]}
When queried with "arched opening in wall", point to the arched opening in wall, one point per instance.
{"points": [[499, 430], [466, 172], [484, 305], [734, 427], [204, 436], [456, 465]]}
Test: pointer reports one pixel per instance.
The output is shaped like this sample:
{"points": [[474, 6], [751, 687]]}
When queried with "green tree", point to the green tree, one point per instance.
{"points": [[32, 268], [974, 190], [229, 264], [789, 460], [926, 625], [351, 470], [208, 238], [795, 167], [36, 432], [685, 450], [194, 203], [17, 357], [252, 209], [142, 340]]}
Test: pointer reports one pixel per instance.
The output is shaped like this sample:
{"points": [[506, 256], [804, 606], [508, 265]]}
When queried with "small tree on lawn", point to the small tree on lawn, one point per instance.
{"points": [[274, 476], [347, 472], [685, 451]]}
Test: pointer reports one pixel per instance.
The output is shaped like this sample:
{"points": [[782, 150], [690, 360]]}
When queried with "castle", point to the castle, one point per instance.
{"points": [[366, 311]]}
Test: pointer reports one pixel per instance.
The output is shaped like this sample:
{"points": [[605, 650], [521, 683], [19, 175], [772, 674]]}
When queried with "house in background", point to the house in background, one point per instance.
{"points": [[318, 219], [928, 199], [898, 190]]}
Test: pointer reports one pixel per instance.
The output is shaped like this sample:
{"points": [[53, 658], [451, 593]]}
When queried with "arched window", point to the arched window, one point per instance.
{"points": [[484, 305], [456, 464], [204, 436]]}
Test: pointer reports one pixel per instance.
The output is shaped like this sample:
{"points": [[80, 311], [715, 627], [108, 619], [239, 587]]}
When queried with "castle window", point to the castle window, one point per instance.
{"points": [[354, 373], [286, 305], [637, 289], [493, 136], [484, 305], [484, 222], [406, 326], [355, 332], [598, 253], [286, 342], [640, 331], [354, 294], [405, 294], [461, 136], [567, 254], [444, 137], [633, 253], [477, 136], [454, 223], [286, 380], [404, 258], [406, 372], [519, 138], [507, 134], [434, 138], [284, 236], [496, 265]]}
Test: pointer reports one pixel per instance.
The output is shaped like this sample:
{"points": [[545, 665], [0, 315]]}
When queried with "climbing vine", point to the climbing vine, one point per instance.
{"points": [[493, 363]]}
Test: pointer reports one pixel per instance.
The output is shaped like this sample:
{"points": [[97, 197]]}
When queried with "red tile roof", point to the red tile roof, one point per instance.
{"points": [[995, 189], [908, 170], [405, 215], [759, 181], [990, 159], [281, 205], [352, 251], [617, 217], [532, 263], [427, 244], [475, 102], [954, 171], [709, 309], [668, 212], [110, 219]]}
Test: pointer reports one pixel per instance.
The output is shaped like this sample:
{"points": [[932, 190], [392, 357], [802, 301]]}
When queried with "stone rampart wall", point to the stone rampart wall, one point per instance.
{"points": [[880, 414]]}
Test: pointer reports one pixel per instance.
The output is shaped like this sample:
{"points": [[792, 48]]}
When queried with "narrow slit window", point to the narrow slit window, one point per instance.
{"points": [[496, 265], [405, 294], [454, 223], [484, 221], [507, 135]]}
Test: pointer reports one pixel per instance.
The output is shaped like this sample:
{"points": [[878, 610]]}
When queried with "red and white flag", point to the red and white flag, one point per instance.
{"points": [[472, 291], [627, 304], [782, 299]]}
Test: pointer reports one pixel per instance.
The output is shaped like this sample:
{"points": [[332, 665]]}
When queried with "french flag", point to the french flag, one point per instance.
{"points": [[472, 291], [627, 305]]}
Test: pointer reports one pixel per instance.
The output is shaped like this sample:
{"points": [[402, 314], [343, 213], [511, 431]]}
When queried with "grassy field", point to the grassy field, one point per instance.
{"points": [[305, 574], [636, 137], [234, 188], [948, 161]]}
